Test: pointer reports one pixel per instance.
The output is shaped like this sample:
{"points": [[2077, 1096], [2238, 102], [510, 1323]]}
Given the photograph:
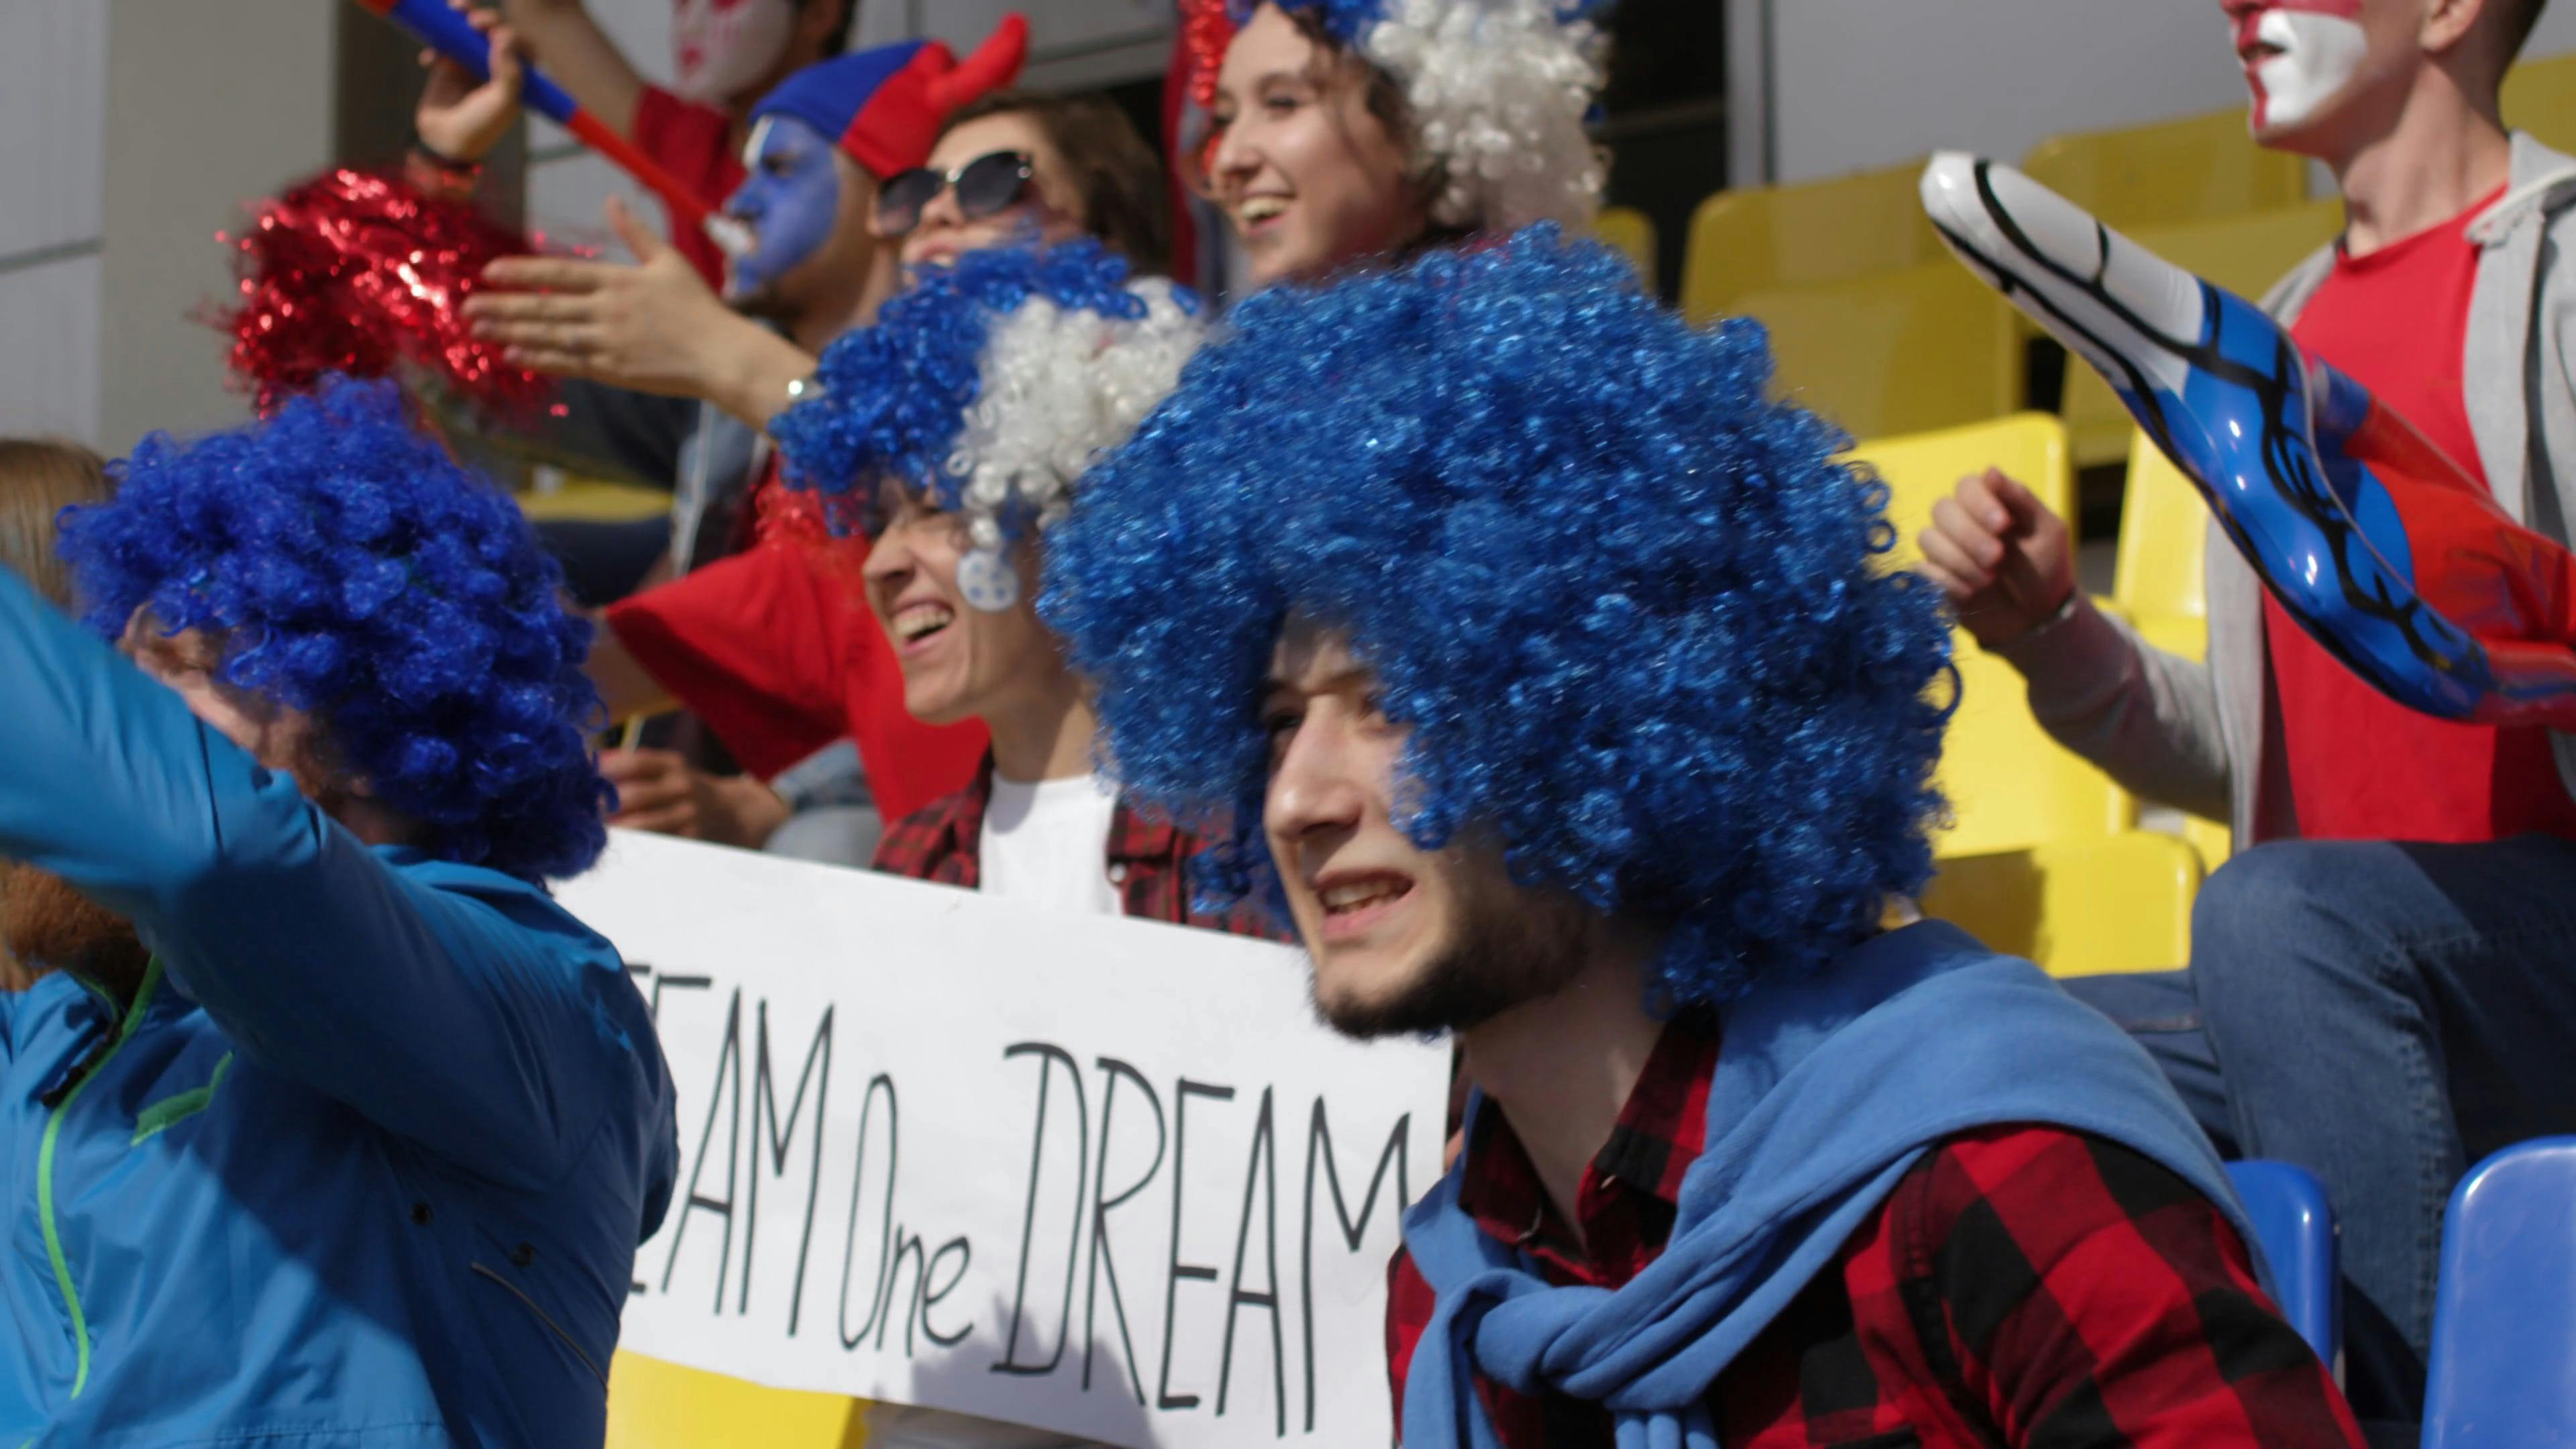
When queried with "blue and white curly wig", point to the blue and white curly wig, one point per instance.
{"points": [[347, 567], [1638, 620], [1499, 91], [989, 387]]}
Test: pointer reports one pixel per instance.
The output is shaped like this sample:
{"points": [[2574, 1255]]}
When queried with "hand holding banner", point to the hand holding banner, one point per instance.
{"points": [[1104, 1177]]}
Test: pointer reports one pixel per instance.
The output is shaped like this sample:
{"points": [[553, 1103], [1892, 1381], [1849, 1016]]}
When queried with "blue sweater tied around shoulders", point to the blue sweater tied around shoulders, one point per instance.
{"points": [[1828, 1089]]}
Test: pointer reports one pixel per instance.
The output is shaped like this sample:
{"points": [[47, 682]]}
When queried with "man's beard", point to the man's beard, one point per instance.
{"points": [[1510, 948], [49, 926]]}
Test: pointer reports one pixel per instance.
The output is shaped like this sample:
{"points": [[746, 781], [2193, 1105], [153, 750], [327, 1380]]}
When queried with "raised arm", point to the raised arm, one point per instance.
{"points": [[580, 56], [452, 1006]]}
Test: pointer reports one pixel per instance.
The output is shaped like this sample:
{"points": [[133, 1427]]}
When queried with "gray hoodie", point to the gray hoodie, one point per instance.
{"points": [[2207, 737]]}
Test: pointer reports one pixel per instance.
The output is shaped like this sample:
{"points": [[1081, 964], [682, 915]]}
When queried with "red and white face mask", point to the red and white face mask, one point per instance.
{"points": [[2298, 55], [721, 48]]}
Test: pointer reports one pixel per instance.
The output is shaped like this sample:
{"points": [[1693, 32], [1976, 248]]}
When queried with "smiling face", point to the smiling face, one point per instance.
{"points": [[807, 207], [959, 661], [1310, 177], [1404, 940], [1049, 210], [2308, 61]]}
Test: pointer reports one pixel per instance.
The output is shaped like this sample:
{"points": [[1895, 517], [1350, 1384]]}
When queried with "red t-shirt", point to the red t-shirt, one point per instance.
{"points": [[2363, 767], [776, 650], [695, 143]]}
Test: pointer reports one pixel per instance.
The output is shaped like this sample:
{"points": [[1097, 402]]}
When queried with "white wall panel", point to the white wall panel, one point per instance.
{"points": [[53, 67], [49, 326], [1863, 83], [209, 105]]}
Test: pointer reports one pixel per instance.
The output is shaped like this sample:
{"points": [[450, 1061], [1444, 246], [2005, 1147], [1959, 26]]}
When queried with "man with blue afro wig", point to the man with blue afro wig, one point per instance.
{"points": [[327, 1125], [1553, 681]]}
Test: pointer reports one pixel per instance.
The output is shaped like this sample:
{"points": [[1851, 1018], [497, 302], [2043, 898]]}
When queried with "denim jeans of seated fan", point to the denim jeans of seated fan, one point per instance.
{"points": [[2383, 1015]]}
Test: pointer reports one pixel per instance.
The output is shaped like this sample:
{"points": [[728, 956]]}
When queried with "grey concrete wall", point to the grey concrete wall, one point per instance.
{"points": [[208, 105]]}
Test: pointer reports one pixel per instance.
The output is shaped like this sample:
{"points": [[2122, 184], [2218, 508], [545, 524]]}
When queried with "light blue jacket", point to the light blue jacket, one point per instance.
{"points": [[366, 1161]]}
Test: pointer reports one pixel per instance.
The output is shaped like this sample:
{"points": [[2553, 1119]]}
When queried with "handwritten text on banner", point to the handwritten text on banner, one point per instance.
{"points": [[1098, 1176]]}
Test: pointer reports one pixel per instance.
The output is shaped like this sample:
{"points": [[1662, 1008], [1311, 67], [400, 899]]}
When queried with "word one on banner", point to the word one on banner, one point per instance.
{"points": [[1099, 1176]]}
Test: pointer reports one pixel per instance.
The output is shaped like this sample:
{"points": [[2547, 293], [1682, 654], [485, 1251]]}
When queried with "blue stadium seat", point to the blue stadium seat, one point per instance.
{"points": [[2503, 1374], [2297, 1233]]}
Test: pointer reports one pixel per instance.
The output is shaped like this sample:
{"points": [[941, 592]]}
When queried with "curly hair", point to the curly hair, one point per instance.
{"points": [[1496, 93], [1634, 614], [345, 566], [990, 385]]}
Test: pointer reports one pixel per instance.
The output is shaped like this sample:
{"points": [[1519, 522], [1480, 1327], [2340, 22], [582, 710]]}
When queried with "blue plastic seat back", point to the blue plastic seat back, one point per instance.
{"points": [[2503, 1374], [2297, 1232]]}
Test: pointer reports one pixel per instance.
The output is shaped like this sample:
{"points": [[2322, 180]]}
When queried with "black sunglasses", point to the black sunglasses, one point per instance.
{"points": [[986, 186]]}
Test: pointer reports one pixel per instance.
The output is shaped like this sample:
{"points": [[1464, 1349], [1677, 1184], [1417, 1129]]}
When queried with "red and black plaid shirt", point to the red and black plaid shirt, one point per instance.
{"points": [[2022, 1286], [1147, 863]]}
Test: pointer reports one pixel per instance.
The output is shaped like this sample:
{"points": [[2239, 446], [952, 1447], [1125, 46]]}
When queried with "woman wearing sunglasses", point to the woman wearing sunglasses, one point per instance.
{"points": [[1364, 129], [1018, 165]]}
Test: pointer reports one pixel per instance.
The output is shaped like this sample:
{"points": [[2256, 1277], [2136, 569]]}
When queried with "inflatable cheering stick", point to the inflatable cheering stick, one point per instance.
{"points": [[444, 29], [2371, 538]]}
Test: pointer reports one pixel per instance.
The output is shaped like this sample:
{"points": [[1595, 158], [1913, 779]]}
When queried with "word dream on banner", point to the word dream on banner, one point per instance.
{"points": [[1102, 1177]]}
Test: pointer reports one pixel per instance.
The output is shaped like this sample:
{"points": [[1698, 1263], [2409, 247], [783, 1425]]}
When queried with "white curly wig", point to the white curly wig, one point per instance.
{"points": [[990, 386], [1499, 90], [1061, 386]]}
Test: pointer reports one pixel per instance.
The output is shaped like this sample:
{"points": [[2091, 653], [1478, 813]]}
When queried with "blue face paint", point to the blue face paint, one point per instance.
{"points": [[791, 201]]}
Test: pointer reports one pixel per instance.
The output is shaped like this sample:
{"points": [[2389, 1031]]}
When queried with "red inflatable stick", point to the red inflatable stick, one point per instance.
{"points": [[445, 29]]}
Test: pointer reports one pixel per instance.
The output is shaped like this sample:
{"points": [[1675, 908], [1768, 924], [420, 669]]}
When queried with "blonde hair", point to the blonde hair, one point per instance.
{"points": [[39, 478]]}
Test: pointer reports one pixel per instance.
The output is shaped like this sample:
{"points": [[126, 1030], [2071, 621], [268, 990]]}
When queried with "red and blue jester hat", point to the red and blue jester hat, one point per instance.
{"points": [[884, 106], [1500, 93]]}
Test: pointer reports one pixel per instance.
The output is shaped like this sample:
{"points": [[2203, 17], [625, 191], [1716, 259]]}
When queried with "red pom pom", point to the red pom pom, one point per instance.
{"points": [[357, 273], [1206, 31]]}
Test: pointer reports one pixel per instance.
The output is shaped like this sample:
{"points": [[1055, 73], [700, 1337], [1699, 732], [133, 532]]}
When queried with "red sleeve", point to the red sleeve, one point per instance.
{"points": [[1409, 1303], [695, 143], [2086, 1295], [775, 650], [751, 643]]}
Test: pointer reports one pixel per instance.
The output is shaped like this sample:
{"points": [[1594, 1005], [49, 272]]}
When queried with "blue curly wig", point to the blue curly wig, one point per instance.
{"points": [[900, 400], [347, 567], [1634, 613], [1349, 20]]}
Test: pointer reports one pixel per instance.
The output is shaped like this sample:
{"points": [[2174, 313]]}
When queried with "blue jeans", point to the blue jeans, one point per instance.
{"points": [[2383, 1015]]}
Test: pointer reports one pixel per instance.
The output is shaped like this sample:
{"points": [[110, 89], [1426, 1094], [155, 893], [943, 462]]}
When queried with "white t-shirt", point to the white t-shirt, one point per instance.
{"points": [[1048, 844]]}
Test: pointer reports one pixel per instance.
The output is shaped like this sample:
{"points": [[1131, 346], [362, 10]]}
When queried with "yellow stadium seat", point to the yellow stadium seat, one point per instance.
{"points": [[2173, 171], [1899, 352], [657, 1405], [2159, 577], [2160, 582], [595, 500], [2245, 254], [1633, 232], [1815, 231], [2010, 786], [2077, 907], [2540, 97]]}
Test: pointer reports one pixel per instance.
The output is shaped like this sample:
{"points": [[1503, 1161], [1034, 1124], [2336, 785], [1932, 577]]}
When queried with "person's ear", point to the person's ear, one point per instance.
{"points": [[163, 655], [2447, 23]]}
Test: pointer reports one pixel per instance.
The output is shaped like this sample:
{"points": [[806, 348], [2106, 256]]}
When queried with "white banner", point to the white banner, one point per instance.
{"points": [[1099, 1176]]}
